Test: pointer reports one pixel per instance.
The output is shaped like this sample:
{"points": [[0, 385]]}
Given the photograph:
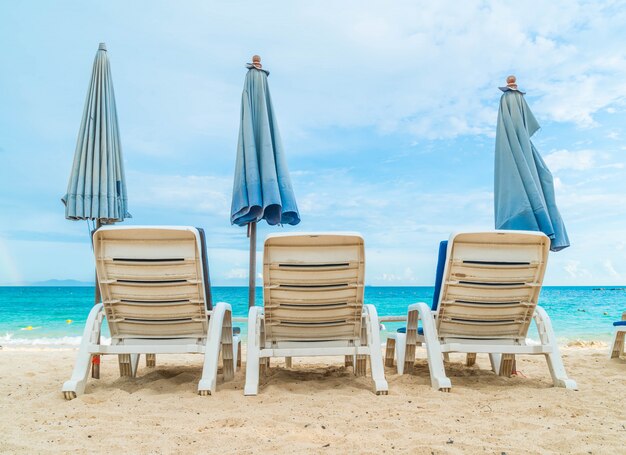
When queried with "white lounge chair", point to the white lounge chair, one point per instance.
{"points": [[156, 298], [490, 284], [313, 306], [617, 349]]}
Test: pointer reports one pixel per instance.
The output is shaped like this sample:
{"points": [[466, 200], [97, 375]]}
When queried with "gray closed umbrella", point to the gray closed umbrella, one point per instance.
{"points": [[524, 196], [262, 188], [97, 189]]}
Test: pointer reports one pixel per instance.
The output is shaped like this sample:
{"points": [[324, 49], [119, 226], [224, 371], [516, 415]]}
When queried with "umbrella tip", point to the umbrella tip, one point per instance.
{"points": [[102, 47], [256, 62], [511, 82]]}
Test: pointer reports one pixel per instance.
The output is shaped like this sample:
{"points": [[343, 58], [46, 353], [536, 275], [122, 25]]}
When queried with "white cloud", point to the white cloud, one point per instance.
{"points": [[574, 269], [430, 69], [615, 135], [406, 277], [564, 159], [236, 273], [191, 193], [608, 266]]}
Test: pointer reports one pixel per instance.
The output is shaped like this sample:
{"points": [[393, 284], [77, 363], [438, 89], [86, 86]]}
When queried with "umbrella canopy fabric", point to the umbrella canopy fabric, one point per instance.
{"points": [[97, 188], [524, 188], [262, 188]]}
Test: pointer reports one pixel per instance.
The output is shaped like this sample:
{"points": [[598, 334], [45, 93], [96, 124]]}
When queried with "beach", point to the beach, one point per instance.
{"points": [[313, 408], [316, 178]]}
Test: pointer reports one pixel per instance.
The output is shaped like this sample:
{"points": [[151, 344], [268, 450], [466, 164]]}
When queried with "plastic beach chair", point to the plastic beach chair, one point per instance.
{"points": [[313, 306], [486, 297], [156, 298]]}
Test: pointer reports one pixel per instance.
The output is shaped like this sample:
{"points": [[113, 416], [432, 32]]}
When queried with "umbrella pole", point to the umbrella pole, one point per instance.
{"points": [[252, 272], [95, 360]]}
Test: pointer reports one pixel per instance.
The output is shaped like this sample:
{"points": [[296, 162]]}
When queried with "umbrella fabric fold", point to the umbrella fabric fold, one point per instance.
{"points": [[262, 188], [524, 196], [97, 187]]}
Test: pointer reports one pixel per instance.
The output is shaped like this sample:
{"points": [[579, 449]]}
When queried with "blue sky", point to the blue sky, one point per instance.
{"points": [[387, 111]]}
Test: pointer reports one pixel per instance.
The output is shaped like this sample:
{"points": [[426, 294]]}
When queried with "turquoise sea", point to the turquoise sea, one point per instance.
{"points": [[56, 315]]}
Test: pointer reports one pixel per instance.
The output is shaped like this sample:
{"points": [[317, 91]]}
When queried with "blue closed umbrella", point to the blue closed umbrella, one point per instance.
{"points": [[524, 188], [262, 188], [97, 188]]}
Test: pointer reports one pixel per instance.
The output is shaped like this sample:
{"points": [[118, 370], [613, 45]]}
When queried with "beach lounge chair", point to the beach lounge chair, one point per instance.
{"points": [[156, 297], [486, 295], [313, 306], [617, 349]]}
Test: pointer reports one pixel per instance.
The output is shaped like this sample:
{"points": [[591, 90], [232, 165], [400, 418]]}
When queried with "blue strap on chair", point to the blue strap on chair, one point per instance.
{"points": [[441, 264], [619, 323]]}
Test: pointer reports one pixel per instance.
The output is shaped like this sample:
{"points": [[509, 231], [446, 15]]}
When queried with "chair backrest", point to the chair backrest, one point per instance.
{"points": [[151, 280], [313, 287], [491, 284]]}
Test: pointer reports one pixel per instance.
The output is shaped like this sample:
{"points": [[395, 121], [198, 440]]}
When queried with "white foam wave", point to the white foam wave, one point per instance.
{"points": [[9, 340]]}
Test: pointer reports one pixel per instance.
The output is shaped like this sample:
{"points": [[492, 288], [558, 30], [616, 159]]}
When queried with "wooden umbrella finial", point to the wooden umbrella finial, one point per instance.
{"points": [[256, 62], [510, 82]]}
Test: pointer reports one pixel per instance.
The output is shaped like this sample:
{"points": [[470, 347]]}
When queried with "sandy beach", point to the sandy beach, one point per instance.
{"points": [[312, 408]]}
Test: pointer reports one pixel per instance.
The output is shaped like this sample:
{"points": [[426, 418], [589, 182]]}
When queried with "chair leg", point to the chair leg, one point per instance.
{"points": [[288, 362], [96, 360], [470, 360], [438, 377], [376, 356], [557, 371], [150, 360], [264, 366], [236, 353], [401, 357], [134, 364], [95, 363], [360, 366], [554, 359], [219, 318], [506, 365], [76, 385], [495, 360], [390, 351], [253, 361], [228, 348], [446, 357], [617, 348], [406, 353], [349, 361], [88, 345], [126, 362]]}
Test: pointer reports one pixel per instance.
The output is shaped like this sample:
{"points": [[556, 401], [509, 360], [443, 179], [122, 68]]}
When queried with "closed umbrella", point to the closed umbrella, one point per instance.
{"points": [[97, 189], [262, 188], [524, 188]]}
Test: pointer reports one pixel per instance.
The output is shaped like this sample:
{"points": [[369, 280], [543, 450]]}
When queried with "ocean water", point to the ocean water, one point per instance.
{"points": [[53, 316]]}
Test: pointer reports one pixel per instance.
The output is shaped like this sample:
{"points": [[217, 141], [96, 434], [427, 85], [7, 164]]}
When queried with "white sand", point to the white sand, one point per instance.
{"points": [[312, 409]]}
